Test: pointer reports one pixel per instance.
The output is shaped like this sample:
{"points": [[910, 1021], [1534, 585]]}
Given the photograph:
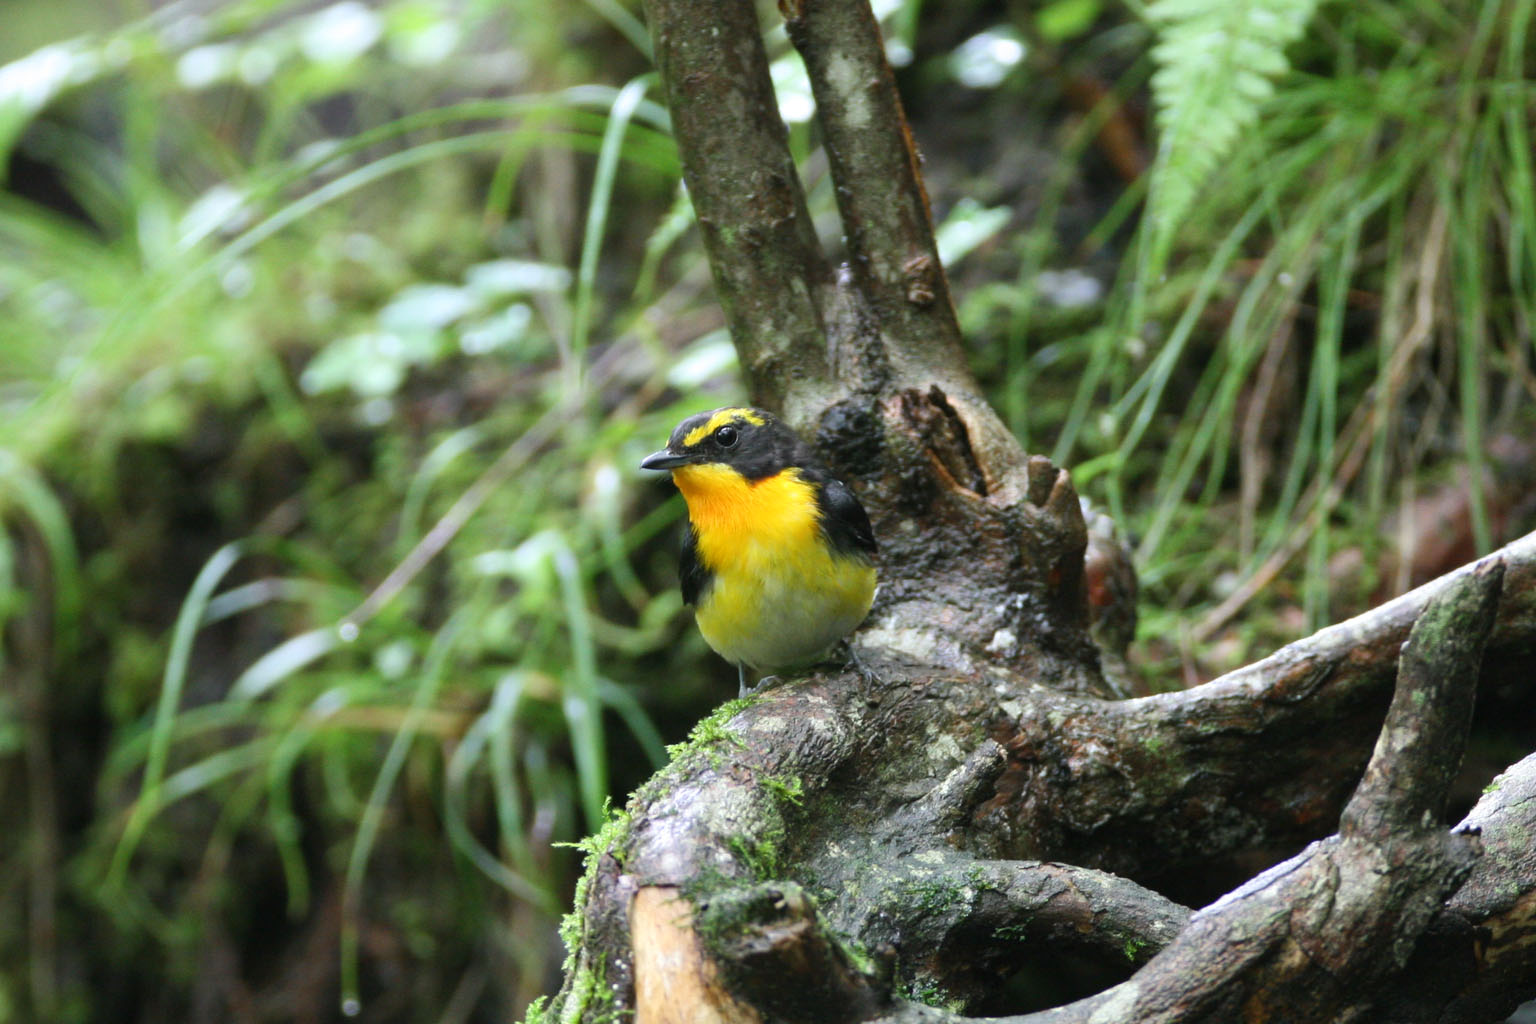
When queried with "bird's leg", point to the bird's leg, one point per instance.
{"points": [[870, 678], [763, 682], [741, 678]]}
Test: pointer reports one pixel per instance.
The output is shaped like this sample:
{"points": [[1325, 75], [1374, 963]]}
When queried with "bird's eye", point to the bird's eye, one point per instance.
{"points": [[727, 436]]}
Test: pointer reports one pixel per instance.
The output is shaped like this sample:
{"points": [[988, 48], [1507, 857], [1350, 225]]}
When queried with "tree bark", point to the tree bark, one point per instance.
{"points": [[833, 849]]}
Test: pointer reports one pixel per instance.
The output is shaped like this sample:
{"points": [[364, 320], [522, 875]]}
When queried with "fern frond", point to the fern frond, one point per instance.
{"points": [[1217, 61]]}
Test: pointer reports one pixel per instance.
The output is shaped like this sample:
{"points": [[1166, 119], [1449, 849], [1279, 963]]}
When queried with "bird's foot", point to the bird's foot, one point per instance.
{"points": [[869, 678], [763, 683]]}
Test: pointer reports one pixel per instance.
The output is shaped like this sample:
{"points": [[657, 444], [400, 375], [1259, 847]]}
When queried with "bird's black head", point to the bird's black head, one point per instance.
{"points": [[754, 443]]}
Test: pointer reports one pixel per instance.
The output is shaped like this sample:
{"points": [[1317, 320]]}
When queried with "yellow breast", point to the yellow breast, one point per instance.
{"points": [[780, 596]]}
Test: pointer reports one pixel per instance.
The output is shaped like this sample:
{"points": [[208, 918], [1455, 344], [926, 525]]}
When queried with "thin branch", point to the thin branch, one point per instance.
{"points": [[1362, 644], [914, 339], [880, 192], [1066, 906], [987, 914], [1419, 750], [770, 273]]}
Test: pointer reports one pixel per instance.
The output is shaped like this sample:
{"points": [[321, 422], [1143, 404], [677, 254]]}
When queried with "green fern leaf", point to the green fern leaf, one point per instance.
{"points": [[1217, 61]]}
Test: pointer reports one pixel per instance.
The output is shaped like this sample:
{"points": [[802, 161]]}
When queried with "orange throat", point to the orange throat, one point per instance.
{"points": [[730, 512]]}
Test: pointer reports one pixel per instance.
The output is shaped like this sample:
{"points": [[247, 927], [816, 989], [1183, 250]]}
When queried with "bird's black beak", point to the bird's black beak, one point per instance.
{"points": [[664, 460]]}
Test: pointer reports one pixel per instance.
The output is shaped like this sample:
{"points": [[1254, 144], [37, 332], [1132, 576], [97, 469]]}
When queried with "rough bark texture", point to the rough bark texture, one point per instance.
{"points": [[770, 273], [833, 849]]}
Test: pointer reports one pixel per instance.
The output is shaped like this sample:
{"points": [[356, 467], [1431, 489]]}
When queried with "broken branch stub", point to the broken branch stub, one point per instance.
{"points": [[1419, 750]]}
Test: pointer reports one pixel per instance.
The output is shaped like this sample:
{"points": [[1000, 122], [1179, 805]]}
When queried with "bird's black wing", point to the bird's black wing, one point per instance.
{"points": [[843, 519], [691, 572]]}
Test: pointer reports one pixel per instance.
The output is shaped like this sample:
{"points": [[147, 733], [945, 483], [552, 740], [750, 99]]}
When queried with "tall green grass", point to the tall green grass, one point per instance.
{"points": [[467, 619], [1327, 300]]}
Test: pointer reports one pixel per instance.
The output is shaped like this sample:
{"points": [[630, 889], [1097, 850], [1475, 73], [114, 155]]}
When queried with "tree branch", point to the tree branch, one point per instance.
{"points": [[901, 321], [1178, 773], [1316, 937], [1419, 750], [770, 273], [1480, 962], [964, 922], [880, 193]]}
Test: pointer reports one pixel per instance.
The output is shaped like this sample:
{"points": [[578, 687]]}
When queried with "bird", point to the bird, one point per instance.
{"points": [[778, 556]]}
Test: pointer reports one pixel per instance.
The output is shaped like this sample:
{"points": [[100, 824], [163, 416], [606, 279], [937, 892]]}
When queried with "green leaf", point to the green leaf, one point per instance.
{"points": [[1217, 62], [1063, 20]]}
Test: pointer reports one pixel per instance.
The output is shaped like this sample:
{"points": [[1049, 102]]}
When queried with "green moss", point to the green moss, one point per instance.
{"points": [[788, 789], [538, 1011], [725, 913], [732, 914], [937, 898], [582, 985], [1012, 933], [857, 955], [762, 855], [762, 851], [926, 990], [570, 925], [1133, 947], [705, 885], [607, 839], [591, 997], [710, 733]]}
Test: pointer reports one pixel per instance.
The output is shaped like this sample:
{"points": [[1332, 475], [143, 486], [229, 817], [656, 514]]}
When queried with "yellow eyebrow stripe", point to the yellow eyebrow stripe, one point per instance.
{"points": [[719, 420]]}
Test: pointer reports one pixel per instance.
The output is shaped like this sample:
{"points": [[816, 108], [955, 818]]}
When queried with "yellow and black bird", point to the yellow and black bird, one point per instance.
{"points": [[778, 560]]}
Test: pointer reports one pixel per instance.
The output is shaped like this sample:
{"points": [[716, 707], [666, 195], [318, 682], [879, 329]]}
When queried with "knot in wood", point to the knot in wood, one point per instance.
{"points": [[918, 271]]}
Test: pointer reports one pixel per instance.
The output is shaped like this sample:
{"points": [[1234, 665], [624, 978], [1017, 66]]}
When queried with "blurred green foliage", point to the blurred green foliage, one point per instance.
{"points": [[332, 335], [1329, 310], [290, 293]]}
